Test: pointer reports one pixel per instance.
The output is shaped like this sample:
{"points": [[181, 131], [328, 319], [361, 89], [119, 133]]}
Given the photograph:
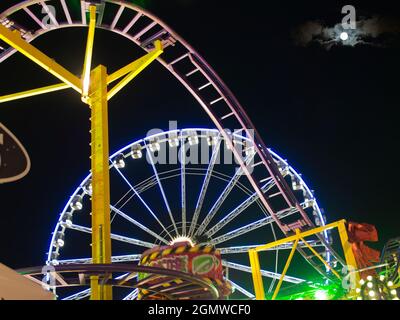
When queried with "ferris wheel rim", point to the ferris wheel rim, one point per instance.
{"points": [[185, 132]]}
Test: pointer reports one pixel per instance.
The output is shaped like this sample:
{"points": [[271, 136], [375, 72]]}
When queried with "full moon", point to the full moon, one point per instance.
{"points": [[344, 36]]}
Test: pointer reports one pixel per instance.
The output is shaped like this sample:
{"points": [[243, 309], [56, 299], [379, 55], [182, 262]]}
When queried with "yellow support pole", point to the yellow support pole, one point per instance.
{"points": [[348, 251], [87, 65], [34, 92], [348, 254], [256, 274], [289, 260], [136, 64], [303, 234], [315, 253], [13, 38], [133, 69], [93, 89], [101, 233]]}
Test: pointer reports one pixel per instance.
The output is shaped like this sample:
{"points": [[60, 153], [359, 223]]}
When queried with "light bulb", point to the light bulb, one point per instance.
{"points": [[60, 242], [371, 293], [321, 295]]}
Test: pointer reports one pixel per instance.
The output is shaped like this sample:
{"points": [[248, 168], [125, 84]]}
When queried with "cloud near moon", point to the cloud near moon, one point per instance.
{"points": [[375, 31]]}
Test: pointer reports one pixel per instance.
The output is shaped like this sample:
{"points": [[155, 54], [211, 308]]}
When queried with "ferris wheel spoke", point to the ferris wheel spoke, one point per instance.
{"points": [[264, 273], [242, 290], [238, 249], [252, 226], [79, 295], [204, 187], [142, 200], [132, 241], [76, 261], [231, 184], [285, 246], [113, 236], [272, 284], [162, 190], [239, 209], [86, 293], [138, 224], [132, 296], [114, 259], [124, 199], [183, 185]]}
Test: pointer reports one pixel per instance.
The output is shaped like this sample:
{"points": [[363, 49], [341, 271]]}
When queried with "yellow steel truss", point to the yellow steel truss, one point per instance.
{"points": [[133, 69], [34, 92], [285, 269], [87, 65], [13, 38], [256, 274], [101, 232], [93, 89], [255, 264]]}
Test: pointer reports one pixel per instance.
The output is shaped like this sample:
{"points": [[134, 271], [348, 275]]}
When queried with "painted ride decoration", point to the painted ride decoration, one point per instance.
{"points": [[203, 261]]}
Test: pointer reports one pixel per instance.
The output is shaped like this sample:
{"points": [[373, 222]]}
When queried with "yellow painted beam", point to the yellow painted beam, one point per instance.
{"points": [[347, 249], [34, 92], [131, 70], [101, 233], [13, 38], [137, 63], [256, 274], [87, 65], [315, 253], [285, 269], [348, 254], [302, 234]]}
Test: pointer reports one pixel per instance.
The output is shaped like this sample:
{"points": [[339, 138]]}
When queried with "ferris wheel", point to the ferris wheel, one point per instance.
{"points": [[203, 202], [274, 199]]}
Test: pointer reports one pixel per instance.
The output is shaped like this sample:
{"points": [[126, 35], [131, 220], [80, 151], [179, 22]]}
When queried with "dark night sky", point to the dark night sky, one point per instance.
{"points": [[332, 114]]}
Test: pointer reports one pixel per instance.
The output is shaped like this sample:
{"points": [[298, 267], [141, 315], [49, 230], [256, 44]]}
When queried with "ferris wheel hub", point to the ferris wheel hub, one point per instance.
{"points": [[183, 240], [197, 260]]}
